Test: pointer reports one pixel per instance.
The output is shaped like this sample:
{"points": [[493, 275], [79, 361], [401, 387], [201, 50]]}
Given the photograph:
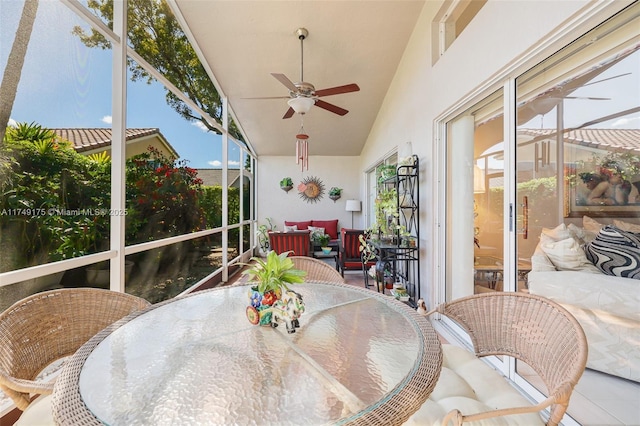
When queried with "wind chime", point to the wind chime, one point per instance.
{"points": [[302, 148]]}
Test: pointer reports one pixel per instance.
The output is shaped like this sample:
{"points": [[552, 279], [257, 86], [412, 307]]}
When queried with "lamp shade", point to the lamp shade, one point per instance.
{"points": [[353, 206], [301, 105]]}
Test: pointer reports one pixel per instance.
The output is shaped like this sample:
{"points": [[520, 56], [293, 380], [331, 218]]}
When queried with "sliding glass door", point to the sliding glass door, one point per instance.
{"points": [[535, 171]]}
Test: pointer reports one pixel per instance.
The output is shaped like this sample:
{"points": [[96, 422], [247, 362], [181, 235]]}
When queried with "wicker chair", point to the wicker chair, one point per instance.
{"points": [[317, 270], [532, 329], [48, 326]]}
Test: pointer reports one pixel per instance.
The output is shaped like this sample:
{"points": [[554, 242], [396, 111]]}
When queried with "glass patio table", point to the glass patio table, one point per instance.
{"points": [[359, 357]]}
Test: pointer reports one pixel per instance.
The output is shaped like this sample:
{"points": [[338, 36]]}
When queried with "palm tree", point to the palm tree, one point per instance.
{"points": [[11, 77]]}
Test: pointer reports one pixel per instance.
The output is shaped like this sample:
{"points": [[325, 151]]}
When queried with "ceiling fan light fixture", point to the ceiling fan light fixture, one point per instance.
{"points": [[301, 105]]}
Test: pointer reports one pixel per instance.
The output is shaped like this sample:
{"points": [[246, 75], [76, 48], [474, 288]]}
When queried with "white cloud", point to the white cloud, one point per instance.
{"points": [[626, 122], [200, 125], [106, 119], [12, 122], [233, 163], [215, 163]]}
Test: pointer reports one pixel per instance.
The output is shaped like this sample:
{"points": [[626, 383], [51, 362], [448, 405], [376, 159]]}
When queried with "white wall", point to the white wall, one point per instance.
{"points": [[342, 172], [493, 43]]}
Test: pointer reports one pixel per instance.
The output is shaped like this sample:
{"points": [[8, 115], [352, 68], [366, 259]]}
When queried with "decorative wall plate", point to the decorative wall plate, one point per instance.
{"points": [[311, 189]]}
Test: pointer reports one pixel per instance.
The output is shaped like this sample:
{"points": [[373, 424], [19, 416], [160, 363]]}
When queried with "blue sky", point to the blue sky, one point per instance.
{"points": [[64, 84]]}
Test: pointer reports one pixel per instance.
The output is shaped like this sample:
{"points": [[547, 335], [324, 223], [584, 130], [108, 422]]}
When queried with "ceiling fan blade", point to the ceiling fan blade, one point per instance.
{"points": [[605, 79], [337, 90], [284, 80], [587, 97], [330, 107], [289, 113], [270, 97]]}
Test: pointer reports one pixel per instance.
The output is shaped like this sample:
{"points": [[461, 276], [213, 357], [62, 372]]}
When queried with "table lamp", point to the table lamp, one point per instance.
{"points": [[352, 206]]}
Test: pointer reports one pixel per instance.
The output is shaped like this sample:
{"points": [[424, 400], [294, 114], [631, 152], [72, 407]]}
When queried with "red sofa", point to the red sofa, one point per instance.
{"points": [[330, 228]]}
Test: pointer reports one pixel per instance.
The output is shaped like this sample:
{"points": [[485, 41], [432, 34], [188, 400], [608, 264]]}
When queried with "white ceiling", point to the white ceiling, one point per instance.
{"points": [[349, 42]]}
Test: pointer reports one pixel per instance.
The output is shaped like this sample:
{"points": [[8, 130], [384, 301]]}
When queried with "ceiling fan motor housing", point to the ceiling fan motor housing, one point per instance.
{"points": [[304, 89]]}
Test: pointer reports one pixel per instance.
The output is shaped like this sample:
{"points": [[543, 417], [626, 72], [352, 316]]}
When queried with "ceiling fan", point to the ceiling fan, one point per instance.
{"points": [[303, 95]]}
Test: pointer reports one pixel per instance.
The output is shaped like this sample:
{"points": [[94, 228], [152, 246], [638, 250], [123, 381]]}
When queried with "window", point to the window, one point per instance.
{"points": [[451, 20]]}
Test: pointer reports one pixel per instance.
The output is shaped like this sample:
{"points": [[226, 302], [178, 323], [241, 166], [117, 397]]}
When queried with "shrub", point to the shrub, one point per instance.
{"points": [[162, 197]]}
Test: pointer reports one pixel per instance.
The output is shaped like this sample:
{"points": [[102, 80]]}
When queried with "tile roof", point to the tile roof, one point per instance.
{"points": [[213, 177], [97, 138], [608, 139]]}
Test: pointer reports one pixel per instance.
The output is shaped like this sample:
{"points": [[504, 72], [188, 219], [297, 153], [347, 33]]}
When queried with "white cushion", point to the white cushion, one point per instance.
{"points": [[596, 292], [480, 387], [566, 255], [558, 233], [580, 234], [38, 413]]}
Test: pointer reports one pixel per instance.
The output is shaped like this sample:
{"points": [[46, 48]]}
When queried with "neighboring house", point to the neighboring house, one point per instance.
{"points": [[213, 177], [97, 140]]}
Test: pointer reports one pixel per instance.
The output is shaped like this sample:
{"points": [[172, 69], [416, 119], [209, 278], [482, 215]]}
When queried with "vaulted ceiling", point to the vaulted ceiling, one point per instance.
{"points": [[360, 42]]}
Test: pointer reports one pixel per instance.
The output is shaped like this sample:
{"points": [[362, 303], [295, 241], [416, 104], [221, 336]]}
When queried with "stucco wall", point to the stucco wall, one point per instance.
{"points": [[273, 202]]}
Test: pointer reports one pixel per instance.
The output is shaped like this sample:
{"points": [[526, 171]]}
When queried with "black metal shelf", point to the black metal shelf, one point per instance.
{"points": [[401, 260]]}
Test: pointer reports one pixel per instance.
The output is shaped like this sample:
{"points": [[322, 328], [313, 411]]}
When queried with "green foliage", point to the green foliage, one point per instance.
{"points": [[335, 191], [385, 171], [366, 249], [322, 240], [101, 159], [275, 273], [156, 35], [56, 202], [287, 181], [50, 199], [263, 234], [386, 209]]}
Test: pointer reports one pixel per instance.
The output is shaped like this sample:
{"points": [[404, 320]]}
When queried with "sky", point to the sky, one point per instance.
{"points": [[65, 84]]}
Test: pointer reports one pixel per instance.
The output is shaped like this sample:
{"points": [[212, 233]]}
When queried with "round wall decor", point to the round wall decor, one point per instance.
{"points": [[311, 189]]}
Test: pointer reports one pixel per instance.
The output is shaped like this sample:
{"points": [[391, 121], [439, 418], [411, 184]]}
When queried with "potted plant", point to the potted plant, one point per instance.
{"points": [[323, 241], [270, 298], [286, 184], [335, 193], [263, 235]]}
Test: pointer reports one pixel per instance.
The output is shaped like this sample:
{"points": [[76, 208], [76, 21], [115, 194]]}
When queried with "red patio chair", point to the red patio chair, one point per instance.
{"points": [[349, 252], [299, 242]]}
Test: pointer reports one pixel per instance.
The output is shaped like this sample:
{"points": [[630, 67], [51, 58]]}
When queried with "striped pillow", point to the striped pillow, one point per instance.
{"points": [[615, 252]]}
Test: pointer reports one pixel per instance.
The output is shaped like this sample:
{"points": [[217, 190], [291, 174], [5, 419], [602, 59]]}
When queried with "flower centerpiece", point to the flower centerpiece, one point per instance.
{"points": [[271, 299]]}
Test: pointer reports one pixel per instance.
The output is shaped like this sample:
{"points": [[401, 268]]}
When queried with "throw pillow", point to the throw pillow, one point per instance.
{"points": [[291, 228], [616, 252], [302, 226], [591, 225], [580, 234], [558, 233], [627, 226], [540, 262], [566, 255], [330, 227], [316, 232]]}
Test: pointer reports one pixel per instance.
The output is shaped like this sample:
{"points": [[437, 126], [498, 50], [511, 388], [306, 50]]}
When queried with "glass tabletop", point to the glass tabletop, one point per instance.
{"points": [[198, 360]]}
